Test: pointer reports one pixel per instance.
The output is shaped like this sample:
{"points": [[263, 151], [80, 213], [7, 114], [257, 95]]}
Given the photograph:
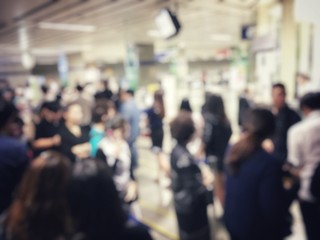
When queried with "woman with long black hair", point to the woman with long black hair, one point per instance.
{"points": [[216, 135], [40, 210], [255, 202]]}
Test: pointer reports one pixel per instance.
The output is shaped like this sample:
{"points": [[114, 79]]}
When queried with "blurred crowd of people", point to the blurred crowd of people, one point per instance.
{"points": [[74, 177]]}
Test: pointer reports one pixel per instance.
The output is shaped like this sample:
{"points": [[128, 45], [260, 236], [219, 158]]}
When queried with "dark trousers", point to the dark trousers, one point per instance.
{"points": [[134, 159], [311, 217]]}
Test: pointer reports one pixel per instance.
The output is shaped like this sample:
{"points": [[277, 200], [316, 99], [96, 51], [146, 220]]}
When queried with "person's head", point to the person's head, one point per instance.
{"points": [[158, 103], [39, 210], [259, 124], [126, 95], [185, 105], [105, 84], [44, 89], [182, 128], [8, 94], [118, 127], [310, 102], [8, 114], [94, 203], [15, 128], [80, 88], [73, 114], [112, 111], [215, 106], [50, 111], [278, 95], [100, 112]]}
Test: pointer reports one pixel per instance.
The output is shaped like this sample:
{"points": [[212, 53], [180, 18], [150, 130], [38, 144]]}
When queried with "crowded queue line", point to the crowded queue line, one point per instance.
{"points": [[81, 182]]}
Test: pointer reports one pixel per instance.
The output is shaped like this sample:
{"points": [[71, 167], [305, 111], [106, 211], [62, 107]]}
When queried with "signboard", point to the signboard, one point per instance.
{"points": [[132, 68]]}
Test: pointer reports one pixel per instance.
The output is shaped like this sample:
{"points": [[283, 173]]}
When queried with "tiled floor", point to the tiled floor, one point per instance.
{"points": [[155, 207]]}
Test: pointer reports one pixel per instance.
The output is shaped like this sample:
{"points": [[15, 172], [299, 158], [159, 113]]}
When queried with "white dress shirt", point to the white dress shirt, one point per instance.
{"points": [[304, 151]]}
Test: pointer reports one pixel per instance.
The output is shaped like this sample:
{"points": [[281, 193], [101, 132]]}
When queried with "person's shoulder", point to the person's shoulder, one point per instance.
{"points": [[137, 232], [293, 113], [11, 143], [266, 159]]}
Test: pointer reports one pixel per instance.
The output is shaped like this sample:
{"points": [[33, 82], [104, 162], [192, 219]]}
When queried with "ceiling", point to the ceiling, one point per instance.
{"points": [[117, 23]]}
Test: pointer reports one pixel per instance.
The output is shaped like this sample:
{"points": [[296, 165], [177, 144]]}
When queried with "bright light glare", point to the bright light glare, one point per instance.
{"points": [[67, 27]]}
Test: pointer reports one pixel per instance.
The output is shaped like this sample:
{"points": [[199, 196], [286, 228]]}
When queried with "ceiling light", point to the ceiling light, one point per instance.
{"points": [[67, 27], [221, 37]]}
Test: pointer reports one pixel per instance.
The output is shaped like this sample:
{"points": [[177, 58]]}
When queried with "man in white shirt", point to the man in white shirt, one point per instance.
{"points": [[304, 153]]}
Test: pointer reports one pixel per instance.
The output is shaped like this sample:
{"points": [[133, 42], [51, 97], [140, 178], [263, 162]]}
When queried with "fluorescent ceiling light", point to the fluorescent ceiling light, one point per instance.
{"points": [[67, 27], [221, 37]]}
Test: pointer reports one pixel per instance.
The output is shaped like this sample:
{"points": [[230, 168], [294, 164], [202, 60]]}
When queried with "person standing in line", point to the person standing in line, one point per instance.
{"points": [[189, 191], [285, 118], [95, 205], [105, 93], [216, 135], [13, 156], [130, 112], [86, 102], [255, 203], [155, 116], [185, 105], [97, 132], [304, 155], [39, 210], [244, 106], [46, 134], [74, 138], [114, 150]]}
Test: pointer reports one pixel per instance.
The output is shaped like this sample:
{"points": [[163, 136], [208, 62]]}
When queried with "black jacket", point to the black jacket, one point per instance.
{"points": [[285, 118], [216, 136], [189, 192]]}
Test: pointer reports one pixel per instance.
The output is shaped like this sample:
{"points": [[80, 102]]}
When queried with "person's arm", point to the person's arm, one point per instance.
{"points": [[81, 150], [293, 164], [43, 143], [206, 136], [294, 147]]}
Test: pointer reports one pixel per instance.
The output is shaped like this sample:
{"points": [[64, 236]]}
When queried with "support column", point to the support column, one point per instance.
{"points": [[288, 54], [315, 76]]}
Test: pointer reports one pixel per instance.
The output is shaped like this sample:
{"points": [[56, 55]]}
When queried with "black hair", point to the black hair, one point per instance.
{"points": [[7, 112], [53, 106], [185, 105], [279, 85], [182, 128], [94, 202], [116, 123], [311, 100], [99, 111], [215, 106], [258, 125], [79, 88], [130, 91], [44, 89]]}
